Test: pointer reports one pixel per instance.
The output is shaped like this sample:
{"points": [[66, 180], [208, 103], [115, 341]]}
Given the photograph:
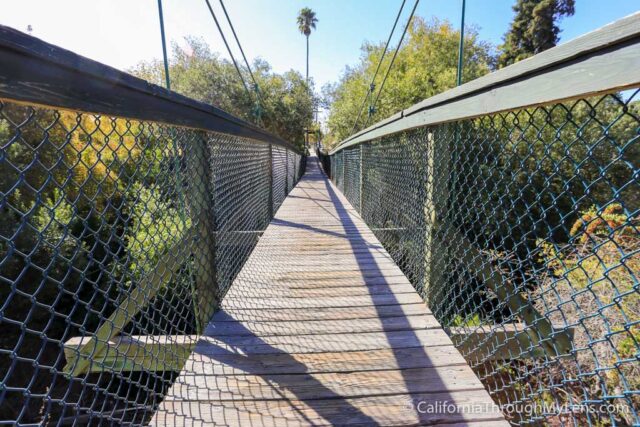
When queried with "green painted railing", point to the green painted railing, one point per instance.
{"points": [[512, 204]]}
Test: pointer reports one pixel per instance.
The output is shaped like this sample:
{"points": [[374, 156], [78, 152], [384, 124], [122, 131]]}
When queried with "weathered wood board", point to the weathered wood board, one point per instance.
{"points": [[322, 328]]}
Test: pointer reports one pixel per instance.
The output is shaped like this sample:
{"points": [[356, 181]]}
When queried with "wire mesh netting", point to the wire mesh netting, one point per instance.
{"points": [[352, 175], [279, 168], [117, 239], [337, 169], [521, 231]]}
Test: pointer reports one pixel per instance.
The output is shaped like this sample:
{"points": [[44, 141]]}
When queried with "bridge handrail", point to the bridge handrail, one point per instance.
{"points": [[39, 73], [127, 212], [612, 53], [512, 204]]}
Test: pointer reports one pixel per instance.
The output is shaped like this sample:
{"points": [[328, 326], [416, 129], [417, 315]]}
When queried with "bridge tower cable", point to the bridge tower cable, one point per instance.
{"points": [[164, 46], [460, 48], [256, 87], [180, 179], [395, 54], [372, 84], [224, 39]]}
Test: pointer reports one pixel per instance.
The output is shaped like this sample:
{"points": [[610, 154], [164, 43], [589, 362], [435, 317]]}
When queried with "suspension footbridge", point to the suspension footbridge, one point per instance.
{"points": [[167, 263]]}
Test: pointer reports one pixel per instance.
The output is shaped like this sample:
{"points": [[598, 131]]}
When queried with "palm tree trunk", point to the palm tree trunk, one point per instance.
{"points": [[307, 59]]}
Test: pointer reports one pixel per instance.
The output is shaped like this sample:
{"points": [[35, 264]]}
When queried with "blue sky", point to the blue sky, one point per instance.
{"points": [[122, 32]]}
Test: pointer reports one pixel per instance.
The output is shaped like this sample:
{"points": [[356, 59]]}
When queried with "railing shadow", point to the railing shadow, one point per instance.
{"points": [[242, 366], [297, 389], [367, 261], [236, 353]]}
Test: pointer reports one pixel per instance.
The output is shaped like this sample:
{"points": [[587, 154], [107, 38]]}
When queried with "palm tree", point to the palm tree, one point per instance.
{"points": [[306, 22]]}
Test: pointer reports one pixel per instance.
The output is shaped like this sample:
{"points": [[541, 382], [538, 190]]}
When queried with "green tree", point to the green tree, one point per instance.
{"points": [[534, 28], [306, 22], [286, 99], [425, 66]]}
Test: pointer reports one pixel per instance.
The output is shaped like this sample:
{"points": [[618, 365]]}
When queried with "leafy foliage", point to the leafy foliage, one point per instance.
{"points": [[534, 28], [81, 215], [157, 224], [558, 160], [306, 21], [594, 282], [286, 100], [425, 66]]}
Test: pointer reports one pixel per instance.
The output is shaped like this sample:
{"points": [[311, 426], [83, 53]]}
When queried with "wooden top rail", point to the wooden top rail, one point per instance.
{"points": [[605, 60], [39, 73]]}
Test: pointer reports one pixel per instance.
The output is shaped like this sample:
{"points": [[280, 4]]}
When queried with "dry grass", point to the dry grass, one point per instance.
{"points": [[593, 286]]}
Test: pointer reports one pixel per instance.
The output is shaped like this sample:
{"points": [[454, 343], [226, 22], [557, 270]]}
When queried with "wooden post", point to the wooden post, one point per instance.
{"points": [[93, 348], [200, 201], [441, 234], [270, 182], [434, 211], [361, 179], [344, 171], [286, 172]]}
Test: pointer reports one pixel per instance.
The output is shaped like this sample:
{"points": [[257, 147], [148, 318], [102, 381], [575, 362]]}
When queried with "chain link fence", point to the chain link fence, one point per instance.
{"points": [[127, 212], [118, 238], [521, 230], [352, 173]]}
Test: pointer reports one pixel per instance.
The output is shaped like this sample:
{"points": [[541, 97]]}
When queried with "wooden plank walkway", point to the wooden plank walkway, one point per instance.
{"points": [[322, 328]]}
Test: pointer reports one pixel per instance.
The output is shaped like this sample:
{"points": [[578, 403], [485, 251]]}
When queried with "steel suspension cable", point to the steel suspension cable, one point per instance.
{"points": [[244, 57], [395, 54], [224, 39], [235, 36], [384, 52], [179, 184], [164, 46], [460, 48]]}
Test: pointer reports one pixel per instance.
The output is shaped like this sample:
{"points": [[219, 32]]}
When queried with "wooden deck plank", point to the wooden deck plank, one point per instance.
{"points": [[310, 327], [321, 343], [358, 281], [326, 313], [257, 301], [372, 261], [308, 363], [196, 386], [390, 410], [322, 328], [298, 292], [338, 271]]}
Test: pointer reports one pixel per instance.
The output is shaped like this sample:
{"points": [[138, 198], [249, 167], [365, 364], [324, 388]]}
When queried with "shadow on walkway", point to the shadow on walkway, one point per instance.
{"points": [[274, 376]]}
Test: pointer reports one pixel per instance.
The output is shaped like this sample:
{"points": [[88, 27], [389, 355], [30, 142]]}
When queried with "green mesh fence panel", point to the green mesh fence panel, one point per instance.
{"points": [[352, 175], [97, 211], [521, 230]]}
